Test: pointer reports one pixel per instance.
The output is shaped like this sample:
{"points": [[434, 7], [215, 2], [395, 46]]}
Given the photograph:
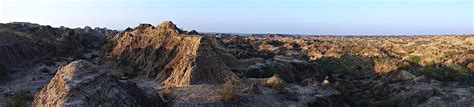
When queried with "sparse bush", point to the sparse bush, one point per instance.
{"points": [[268, 73], [3, 70], [414, 58], [167, 93], [78, 52], [279, 88], [337, 85], [276, 43], [228, 93], [443, 72], [296, 46], [98, 98], [107, 46], [451, 53], [253, 73], [229, 90], [20, 99], [382, 65]]}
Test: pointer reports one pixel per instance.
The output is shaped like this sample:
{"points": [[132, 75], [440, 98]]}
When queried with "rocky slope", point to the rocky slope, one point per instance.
{"points": [[170, 56], [81, 83], [30, 54], [25, 42]]}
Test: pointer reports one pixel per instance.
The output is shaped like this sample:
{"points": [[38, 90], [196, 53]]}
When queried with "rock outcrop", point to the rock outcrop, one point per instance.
{"points": [[25, 42], [274, 81], [168, 55], [81, 83]]}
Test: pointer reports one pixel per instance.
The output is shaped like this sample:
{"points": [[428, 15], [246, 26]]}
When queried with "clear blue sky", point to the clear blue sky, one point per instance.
{"points": [[254, 16]]}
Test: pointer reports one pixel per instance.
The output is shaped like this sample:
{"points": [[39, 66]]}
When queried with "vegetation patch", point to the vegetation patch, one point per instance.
{"points": [[443, 72], [166, 93], [20, 99], [269, 72], [452, 53], [3, 70], [276, 43], [265, 73], [414, 58], [229, 91]]}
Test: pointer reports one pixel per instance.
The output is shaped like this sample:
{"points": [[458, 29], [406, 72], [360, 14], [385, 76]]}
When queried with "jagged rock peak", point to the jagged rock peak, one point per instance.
{"points": [[193, 32], [168, 26], [144, 26]]}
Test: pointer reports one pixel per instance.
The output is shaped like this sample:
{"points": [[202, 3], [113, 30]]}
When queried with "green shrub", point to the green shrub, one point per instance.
{"points": [[276, 43], [3, 70], [443, 72], [268, 73], [296, 46], [451, 53], [337, 85], [228, 93], [414, 58], [20, 99]]}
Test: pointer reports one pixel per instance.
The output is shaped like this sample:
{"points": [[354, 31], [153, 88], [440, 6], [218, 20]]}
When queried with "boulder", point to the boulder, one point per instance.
{"points": [[470, 66], [275, 82]]}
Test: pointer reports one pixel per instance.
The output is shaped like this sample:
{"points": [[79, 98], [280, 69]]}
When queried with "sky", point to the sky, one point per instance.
{"points": [[321, 17]]}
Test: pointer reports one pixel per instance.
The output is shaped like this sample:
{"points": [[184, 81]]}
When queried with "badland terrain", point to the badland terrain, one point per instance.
{"points": [[163, 65]]}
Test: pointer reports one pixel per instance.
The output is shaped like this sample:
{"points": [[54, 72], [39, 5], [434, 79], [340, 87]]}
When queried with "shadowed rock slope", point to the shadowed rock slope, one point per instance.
{"points": [[23, 42]]}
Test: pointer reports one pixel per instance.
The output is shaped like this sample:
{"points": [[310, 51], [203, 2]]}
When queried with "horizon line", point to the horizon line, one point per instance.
{"points": [[258, 33]]}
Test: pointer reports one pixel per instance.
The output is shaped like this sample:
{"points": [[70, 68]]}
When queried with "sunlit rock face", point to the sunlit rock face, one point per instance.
{"points": [[170, 56]]}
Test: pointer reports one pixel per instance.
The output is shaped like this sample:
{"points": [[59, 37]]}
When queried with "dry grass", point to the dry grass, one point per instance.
{"points": [[167, 93], [230, 88]]}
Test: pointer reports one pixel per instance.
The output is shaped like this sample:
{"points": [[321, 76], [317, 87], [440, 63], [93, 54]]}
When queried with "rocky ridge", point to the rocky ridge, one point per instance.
{"points": [[166, 54], [25, 42]]}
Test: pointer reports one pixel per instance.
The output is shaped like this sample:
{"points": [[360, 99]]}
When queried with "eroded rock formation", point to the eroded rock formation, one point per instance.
{"points": [[166, 54], [25, 42], [187, 68], [81, 83]]}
